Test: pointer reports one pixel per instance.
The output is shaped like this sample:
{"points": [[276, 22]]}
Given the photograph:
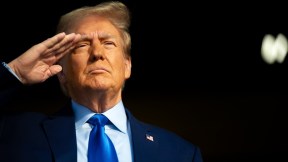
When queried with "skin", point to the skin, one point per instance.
{"points": [[95, 72], [38, 63]]}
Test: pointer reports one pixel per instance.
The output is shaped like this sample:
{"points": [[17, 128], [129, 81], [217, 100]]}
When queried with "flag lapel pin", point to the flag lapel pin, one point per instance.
{"points": [[149, 137]]}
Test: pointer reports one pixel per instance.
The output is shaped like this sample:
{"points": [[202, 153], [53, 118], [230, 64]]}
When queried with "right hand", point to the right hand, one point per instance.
{"points": [[38, 63]]}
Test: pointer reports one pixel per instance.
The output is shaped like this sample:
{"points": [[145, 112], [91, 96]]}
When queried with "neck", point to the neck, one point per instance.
{"points": [[97, 102]]}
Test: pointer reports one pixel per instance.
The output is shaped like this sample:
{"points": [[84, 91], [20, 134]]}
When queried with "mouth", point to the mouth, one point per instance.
{"points": [[98, 71]]}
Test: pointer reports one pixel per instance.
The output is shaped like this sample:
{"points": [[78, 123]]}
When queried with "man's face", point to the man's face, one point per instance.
{"points": [[97, 62]]}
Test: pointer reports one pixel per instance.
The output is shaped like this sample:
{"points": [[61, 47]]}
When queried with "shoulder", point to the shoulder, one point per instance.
{"points": [[169, 143], [26, 124], [22, 118], [162, 133], [169, 138]]}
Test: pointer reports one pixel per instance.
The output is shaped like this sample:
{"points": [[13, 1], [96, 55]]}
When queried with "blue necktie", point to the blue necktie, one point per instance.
{"points": [[101, 148]]}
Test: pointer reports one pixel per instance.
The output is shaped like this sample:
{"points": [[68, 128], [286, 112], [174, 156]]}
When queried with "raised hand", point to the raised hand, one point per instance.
{"points": [[38, 63]]}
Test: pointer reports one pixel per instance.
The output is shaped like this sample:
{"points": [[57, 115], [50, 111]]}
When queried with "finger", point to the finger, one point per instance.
{"points": [[50, 42], [63, 53], [62, 45], [68, 39], [67, 48]]}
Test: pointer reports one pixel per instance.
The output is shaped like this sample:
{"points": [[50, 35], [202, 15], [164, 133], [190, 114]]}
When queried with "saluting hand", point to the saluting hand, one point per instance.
{"points": [[38, 63]]}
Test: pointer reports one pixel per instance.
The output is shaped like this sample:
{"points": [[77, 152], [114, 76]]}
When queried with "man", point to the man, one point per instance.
{"points": [[92, 62]]}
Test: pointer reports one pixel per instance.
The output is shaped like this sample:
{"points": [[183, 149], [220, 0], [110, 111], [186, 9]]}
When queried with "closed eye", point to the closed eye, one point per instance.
{"points": [[81, 45], [110, 44]]}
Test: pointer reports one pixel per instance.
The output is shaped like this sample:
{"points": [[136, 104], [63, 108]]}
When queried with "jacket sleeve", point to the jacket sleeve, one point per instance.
{"points": [[9, 85], [7, 79]]}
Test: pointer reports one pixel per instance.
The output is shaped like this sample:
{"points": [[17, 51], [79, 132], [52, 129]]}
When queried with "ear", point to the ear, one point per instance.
{"points": [[128, 66], [61, 77]]}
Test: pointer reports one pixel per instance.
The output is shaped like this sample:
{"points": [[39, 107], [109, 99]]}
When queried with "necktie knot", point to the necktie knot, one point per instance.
{"points": [[98, 119]]}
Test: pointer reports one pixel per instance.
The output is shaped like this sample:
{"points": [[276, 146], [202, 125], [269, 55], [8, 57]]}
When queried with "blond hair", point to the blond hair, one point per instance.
{"points": [[116, 12]]}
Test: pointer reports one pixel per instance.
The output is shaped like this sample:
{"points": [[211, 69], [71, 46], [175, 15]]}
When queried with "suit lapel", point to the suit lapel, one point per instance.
{"points": [[60, 130], [145, 142]]}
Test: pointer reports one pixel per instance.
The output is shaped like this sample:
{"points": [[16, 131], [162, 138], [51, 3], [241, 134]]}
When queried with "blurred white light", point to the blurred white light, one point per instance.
{"points": [[274, 49]]}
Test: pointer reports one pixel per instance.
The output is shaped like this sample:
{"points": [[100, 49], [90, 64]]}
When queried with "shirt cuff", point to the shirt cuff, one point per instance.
{"points": [[10, 70]]}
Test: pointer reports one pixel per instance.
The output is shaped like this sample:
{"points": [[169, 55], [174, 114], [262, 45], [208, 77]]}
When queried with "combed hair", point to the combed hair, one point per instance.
{"points": [[116, 12]]}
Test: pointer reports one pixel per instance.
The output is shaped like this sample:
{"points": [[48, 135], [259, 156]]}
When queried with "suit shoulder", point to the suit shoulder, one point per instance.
{"points": [[173, 144], [164, 135], [23, 117], [168, 134]]}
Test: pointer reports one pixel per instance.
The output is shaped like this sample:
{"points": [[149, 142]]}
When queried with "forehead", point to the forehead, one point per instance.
{"points": [[95, 24]]}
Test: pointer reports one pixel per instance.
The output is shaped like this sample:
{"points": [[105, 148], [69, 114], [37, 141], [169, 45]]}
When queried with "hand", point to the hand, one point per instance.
{"points": [[38, 63]]}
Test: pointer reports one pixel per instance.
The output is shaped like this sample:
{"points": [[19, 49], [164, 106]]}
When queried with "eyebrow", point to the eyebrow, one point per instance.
{"points": [[87, 37], [106, 36]]}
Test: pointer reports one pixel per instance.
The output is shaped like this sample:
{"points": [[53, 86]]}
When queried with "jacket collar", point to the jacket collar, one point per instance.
{"points": [[145, 142]]}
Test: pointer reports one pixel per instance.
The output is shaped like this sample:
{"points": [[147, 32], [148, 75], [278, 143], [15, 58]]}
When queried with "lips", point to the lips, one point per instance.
{"points": [[97, 70]]}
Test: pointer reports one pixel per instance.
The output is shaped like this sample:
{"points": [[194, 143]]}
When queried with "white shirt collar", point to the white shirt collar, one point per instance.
{"points": [[116, 115]]}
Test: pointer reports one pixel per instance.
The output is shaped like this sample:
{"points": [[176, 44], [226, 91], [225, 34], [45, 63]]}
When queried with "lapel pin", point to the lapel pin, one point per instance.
{"points": [[149, 137]]}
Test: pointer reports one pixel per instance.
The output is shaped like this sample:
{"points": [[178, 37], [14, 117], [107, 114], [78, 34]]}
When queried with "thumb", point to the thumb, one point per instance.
{"points": [[54, 69]]}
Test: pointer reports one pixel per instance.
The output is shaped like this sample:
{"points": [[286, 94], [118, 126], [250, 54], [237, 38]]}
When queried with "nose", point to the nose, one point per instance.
{"points": [[97, 53]]}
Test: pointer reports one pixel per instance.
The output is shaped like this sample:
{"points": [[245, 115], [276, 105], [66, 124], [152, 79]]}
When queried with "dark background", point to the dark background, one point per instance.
{"points": [[197, 71]]}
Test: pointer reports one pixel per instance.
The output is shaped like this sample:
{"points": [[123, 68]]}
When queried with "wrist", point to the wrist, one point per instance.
{"points": [[11, 69]]}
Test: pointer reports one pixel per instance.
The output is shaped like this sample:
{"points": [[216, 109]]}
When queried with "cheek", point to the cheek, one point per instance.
{"points": [[76, 65], [122, 70]]}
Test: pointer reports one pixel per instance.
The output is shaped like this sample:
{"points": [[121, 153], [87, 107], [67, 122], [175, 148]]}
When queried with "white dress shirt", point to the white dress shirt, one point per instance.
{"points": [[119, 131]]}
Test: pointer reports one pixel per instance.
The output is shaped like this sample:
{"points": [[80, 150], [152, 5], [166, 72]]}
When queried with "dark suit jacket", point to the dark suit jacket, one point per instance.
{"points": [[37, 137]]}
